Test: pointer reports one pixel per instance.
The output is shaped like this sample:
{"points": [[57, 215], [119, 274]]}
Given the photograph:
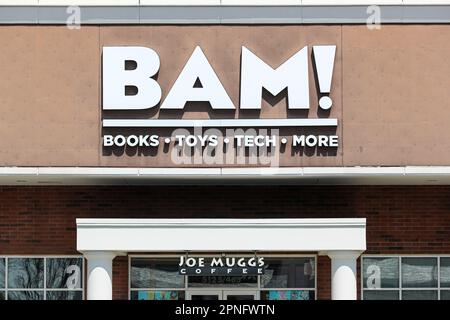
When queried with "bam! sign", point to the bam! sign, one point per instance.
{"points": [[255, 75], [130, 83]]}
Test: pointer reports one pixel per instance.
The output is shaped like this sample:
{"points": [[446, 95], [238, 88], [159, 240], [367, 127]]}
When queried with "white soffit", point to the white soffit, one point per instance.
{"points": [[351, 2], [175, 12], [426, 2], [355, 171], [409, 175], [180, 2], [88, 2], [219, 2], [261, 2], [19, 2], [144, 235]]}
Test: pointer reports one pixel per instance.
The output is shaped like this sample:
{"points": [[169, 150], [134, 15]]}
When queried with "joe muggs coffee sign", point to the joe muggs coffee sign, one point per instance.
{"points": [[221, 266]]}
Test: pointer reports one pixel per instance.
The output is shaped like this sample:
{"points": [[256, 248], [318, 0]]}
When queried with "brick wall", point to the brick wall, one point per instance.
{"points": [[323, 277], [400, 220], [120, 278]]}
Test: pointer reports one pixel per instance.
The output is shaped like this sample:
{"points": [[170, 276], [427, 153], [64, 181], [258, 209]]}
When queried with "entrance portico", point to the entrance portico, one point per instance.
{"points": [[100, 240]]}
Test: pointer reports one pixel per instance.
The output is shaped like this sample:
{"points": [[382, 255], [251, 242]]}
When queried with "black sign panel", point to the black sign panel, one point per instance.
{"points": [[221, 266]]}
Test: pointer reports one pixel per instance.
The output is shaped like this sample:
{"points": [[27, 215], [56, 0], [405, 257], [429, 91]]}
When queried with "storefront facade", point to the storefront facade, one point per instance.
{"points": [[309, 137]]}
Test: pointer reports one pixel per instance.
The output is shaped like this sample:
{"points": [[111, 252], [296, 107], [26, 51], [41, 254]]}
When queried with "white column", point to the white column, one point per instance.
{"points": [[99, 274], [343, 274]]}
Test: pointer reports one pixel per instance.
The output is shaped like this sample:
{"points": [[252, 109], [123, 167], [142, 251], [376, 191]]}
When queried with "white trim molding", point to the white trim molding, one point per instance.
{"points": [[405, 175], [105, 12], [88, 2], [212, 235], [255, 3], [222, 123]]}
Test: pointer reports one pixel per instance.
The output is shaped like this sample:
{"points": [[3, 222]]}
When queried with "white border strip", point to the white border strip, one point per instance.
{"points": [[105, 13], [119, 172], [144, 235], [256, 3], [67, 176], [162, 171], [226, 223], [133, 123]]}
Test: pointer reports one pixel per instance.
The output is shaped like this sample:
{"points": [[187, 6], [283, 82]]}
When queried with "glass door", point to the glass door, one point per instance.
{"points": [[204, 295], [239, 295], [222, 295]]}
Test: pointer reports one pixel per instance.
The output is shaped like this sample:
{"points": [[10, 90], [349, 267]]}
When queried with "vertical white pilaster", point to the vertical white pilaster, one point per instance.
{"points": [[343, 274], [99, 274]]}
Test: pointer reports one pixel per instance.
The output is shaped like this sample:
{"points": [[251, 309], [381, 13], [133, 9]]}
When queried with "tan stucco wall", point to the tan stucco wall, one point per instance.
{"points": [[390, 90]]}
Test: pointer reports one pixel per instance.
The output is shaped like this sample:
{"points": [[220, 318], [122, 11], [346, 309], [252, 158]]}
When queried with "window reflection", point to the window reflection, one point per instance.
{"points": [[64, 295], [419, 272], [155, 273], [381, 294], [159, 279], [420, 277], [26, 273], [64, 273], [287, 295], [2, 273], [222, 281], [289, 273], [25, 295], [25, 278], [157, 295], [445, 272], [445, 295], [381, 272], [419, 295]]}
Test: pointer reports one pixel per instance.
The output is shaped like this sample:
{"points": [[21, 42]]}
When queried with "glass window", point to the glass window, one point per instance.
{"points": [[222, 281], [445, 295], [25, 295], [419, 272], [157, 295], [381, 272], [25, 273], [381, 295], [420, 277], [64, 295], [64, 273], [155, 273], [42, 278], [286, 278], [419, 295], [2, 273], [287, 295], [445, 272], [289, 273]]}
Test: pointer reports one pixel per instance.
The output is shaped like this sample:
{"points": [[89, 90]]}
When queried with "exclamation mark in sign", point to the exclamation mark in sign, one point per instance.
{"points": [[324, 59]]}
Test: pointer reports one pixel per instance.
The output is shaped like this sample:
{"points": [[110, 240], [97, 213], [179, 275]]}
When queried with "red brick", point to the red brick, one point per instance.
{"points": [[400, 219]]}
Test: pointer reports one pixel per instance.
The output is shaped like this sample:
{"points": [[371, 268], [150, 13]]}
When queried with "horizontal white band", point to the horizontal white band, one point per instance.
{"points": [[241, 171], [144, 235], [223, 123], [104, 13], [409, 175], [225, 223], [218, 2]]}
